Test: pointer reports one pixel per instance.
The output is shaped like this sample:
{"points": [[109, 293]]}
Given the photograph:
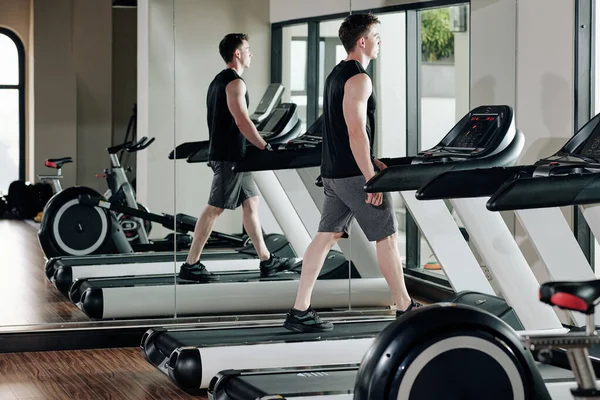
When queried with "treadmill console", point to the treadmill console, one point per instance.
{"points": [[483, 130], [476, 132], [280, 122], [267, 103], [591, 148]]}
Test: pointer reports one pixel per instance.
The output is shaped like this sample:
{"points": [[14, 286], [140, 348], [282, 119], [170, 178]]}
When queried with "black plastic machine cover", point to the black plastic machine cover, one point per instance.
{"points": [[483, 137]]}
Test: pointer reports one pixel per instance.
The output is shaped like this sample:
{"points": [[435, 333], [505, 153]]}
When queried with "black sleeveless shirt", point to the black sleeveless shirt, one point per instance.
{"points": [[337, 160], [226, 141]]}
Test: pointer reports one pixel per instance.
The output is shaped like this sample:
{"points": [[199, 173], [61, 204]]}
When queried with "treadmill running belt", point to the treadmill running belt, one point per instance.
{"points": [[81, 286], [192, 357], [296, 384], [168, 341]]}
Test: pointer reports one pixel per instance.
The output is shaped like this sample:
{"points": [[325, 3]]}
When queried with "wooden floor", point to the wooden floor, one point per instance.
{"points": [[25, 294], [82, 375]]}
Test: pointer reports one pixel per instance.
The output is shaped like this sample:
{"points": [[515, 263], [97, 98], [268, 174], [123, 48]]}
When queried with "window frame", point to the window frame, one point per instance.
{"points": [[440, 287], [20, 87]]}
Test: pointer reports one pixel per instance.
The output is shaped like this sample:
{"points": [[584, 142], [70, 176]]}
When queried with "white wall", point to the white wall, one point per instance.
{"points": [[530, 67], [72, 75], [55, 80], [284, 10], [91, 41], [545, 81], [178, 60], [155, 83], [493, 67], [124, 58]]}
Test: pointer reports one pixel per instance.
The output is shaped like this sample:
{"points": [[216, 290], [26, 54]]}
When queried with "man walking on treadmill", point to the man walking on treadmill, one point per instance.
{"points": [[229, 126], [347, 163]]}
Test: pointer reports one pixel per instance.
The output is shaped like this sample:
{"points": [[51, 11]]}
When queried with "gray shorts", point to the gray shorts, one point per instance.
{"points": [[230, 189], [345, 199]]}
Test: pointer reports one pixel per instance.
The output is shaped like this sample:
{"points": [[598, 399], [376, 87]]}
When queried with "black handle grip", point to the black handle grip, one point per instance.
{"points": [[262, 160], [141, 144], [546, 192], [470, 183], [405, 177]]}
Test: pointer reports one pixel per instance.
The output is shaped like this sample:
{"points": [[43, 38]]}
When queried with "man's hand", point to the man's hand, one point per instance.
{"points": [[381, 166], [374, 199]]}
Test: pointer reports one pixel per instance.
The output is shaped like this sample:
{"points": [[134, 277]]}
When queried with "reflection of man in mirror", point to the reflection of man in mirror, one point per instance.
{"points": [[347, 163], [229, 126]]}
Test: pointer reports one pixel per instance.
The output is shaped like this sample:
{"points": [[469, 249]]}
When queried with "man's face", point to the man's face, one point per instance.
{"points": [[245, 54], [372, 41]]}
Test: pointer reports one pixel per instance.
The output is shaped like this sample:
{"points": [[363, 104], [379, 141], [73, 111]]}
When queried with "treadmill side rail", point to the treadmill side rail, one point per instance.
{"points": [[482, 182], [544, 192]]}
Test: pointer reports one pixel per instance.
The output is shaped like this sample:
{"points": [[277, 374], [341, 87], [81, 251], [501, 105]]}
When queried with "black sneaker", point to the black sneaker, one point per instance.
{"points": [[274, 265], [306, 321], [196, 272], [413, 305]]}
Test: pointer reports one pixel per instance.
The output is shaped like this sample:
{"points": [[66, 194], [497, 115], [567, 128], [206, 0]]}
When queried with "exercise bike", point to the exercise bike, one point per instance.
{"points": [[79, 221], [113, 177]]}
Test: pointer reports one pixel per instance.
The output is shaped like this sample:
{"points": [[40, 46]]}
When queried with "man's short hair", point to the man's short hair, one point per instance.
{"points": [[354, 27], [230, 43]]}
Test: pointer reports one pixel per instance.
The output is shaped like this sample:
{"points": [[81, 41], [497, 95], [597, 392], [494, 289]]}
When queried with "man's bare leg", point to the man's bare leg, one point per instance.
{"points": [[202, 230], [311, 266], [252, 225], [390, 264]]}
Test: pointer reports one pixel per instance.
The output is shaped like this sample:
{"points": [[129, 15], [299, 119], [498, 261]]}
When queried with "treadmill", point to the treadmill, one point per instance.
{"points": [[180, 353], [152, 295], [569, 177], [441, 351], [65, 271], [282, 123], [511, 274]]}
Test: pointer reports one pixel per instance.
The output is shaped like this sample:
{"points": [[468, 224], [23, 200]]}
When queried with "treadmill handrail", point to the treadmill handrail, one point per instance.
{"points": [[412, 177], [481, 182], [546, 192], [406, 177], [184, 150], [288, 158]]}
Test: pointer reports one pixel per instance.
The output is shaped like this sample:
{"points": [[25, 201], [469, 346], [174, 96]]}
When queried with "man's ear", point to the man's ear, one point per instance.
{"points": [[361, 41]]}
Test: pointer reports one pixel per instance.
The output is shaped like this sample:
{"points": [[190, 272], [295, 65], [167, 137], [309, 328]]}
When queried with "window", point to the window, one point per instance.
{"points": [[294, 61], [443, 71], [12, 113], [421, 81], [331, 52]]}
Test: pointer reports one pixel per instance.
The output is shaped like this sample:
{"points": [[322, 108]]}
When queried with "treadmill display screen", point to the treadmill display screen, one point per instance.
{"points": [[272, 122], [477, 129], [267, 98], [592, 146]]}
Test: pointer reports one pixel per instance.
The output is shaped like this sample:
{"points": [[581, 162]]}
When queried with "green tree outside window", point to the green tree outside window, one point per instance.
{"points": [[437, 40]]}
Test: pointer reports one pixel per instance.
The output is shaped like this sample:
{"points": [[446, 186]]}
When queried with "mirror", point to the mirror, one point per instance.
{"points": [[81, 129], [250, 214], [111, 86]]}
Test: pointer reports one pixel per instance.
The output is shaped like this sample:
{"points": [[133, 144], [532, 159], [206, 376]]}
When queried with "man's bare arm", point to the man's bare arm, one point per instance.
{"points": [[236, 101], [356, 94]]}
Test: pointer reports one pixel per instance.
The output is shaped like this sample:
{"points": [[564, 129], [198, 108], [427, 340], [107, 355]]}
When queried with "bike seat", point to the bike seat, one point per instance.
{"points": [[57, 162], [576, 296]]}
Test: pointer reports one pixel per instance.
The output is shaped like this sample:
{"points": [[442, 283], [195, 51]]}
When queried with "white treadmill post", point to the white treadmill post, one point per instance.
{"points": [[591, 213], [500, 252], [557, 248], [447, 243]]}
